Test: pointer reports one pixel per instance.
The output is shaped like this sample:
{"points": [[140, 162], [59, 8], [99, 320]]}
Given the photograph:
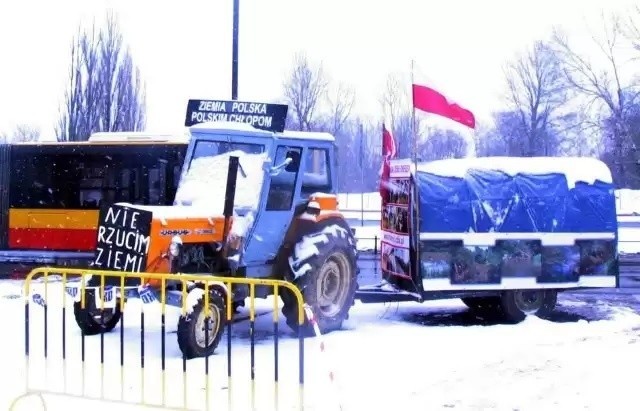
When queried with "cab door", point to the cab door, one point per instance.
{"points": [[276, 214]]}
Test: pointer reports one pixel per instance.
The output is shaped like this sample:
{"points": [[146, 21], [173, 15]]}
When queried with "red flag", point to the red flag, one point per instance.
{"points": [[388, 144], [431, 101], [388, 152]]}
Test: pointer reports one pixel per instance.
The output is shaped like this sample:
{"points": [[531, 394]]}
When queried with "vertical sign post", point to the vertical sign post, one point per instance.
{"points": [[360, 130], [234, 52]]}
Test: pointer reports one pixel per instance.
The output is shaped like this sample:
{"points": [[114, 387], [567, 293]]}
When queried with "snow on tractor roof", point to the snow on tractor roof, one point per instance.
{"points": [[306, 135], [575, 169], [217, 126]]}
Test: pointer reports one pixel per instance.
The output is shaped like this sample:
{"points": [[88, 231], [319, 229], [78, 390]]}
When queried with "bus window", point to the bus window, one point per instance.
{"points": [[156, 195], [91, 183], [33, 181], [86, 176]]}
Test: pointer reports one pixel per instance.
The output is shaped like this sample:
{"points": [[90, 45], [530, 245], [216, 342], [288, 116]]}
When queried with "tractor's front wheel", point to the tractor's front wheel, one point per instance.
{"points": [[91, 319], [327, 278], [199, 336]]}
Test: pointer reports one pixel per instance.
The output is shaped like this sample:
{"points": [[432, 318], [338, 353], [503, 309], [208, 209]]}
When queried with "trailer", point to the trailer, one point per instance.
{"points": [[504, 234]]}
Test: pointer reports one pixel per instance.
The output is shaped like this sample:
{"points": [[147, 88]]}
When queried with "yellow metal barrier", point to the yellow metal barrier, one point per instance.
{"points": [[104, 377]]}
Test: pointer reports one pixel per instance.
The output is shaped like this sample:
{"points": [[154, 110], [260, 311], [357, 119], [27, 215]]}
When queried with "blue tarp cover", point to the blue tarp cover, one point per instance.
{"points": [[493, 201]]}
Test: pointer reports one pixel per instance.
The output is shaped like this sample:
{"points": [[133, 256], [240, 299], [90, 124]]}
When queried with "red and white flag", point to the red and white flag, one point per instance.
{"points": [[389, 151], [431, 101]]}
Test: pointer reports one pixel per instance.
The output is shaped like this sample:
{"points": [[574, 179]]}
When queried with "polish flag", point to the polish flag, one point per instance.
{"points": [[388, 152], [429, 100]]}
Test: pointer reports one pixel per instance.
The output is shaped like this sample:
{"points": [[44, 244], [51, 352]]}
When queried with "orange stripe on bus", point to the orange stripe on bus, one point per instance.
{"points": [[58, 239], [53, 219]]}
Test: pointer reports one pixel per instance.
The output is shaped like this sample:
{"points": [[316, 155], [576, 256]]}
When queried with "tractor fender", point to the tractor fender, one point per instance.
{"points": [[213, 285]]}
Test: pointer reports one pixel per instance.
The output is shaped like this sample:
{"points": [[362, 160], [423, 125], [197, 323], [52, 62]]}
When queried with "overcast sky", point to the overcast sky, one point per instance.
{"points": [[184, 48]]}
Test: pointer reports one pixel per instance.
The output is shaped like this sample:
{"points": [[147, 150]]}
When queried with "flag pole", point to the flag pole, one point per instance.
{"points": [[415, 198], [361, 155], [414, 138]]}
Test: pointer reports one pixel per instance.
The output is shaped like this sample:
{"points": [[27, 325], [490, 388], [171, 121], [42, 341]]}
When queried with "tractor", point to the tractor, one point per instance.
{"points": [[251, 203]]}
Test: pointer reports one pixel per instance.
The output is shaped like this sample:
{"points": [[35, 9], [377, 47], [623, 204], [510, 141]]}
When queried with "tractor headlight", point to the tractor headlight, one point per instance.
{"points": [[175, 246]]}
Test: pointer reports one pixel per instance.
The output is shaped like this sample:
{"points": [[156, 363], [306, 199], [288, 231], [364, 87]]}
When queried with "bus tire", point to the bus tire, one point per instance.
{"points": [[192, 338], [518, 304]]}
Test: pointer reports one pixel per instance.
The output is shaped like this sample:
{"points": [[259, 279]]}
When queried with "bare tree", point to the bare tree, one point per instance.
{"points": [[22, 133], [70, 123], [105, 91], [395, 99], [397, 108], [604, 90], [340, 102], [25, 133], [441, 144], [304, 89], [536, 93], [122, 102], [89, 49], [632, 28], [488, 139]]}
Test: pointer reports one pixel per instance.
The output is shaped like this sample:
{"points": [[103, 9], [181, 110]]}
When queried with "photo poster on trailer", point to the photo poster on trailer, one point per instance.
{"points": [[395, 251]]}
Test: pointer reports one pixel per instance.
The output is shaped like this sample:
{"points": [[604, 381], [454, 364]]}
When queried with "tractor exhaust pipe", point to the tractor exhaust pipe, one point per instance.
{"points": [[230, 194]]}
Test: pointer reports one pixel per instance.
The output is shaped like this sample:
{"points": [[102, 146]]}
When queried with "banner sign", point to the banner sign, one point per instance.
{"points": [[264, 116], [124, 236], [395, 252]]}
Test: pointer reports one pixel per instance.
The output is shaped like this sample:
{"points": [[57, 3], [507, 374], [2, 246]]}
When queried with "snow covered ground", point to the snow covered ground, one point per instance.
{"points": [[405, 356]]}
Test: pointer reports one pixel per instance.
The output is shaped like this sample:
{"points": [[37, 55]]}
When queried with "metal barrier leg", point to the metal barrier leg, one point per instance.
{"points": [[92, 358]]}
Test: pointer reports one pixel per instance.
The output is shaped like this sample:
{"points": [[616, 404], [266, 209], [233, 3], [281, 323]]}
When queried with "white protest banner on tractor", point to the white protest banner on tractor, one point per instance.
{"points": [[124, 236], [395, 248]]}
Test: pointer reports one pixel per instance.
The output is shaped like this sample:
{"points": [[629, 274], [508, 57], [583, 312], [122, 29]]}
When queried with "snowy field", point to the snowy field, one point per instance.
{"points": [[431, 356]]}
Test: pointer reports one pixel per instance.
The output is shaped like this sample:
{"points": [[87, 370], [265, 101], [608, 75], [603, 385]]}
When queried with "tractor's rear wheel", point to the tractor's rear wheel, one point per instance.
{"points": [[198, 335], [326, 276]]}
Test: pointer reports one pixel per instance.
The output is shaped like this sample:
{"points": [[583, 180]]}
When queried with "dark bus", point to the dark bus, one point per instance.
{"points": [[50, 192]]}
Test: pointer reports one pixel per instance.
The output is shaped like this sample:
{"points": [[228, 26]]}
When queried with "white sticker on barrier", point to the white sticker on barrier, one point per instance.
{"points": [[73, 291], [109, 297], [147, 296], [38, 299]]}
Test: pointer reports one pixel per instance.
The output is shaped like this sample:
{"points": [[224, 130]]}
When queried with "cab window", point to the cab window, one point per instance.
{"points": [[283, 185], [315, 176]]}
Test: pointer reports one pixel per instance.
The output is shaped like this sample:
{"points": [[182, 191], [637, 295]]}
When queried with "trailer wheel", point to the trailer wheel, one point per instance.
{"points": [[193, 339], [327, 279], [517, 304], [488, 305], [91, 319]]}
